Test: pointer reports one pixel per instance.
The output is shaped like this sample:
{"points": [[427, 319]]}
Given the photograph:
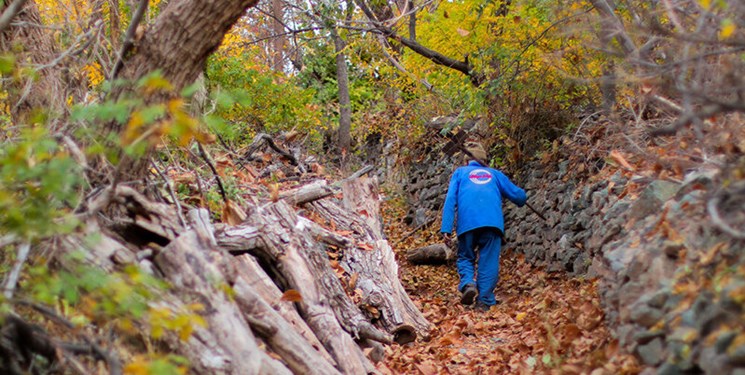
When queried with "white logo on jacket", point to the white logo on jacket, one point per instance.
{"points": [[480, 176]]}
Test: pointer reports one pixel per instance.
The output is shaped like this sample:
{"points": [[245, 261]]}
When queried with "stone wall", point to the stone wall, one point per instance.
{"points": [[672, 284]]}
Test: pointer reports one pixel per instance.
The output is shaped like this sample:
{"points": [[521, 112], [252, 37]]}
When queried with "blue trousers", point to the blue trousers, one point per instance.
{"points": [[488, 242]]}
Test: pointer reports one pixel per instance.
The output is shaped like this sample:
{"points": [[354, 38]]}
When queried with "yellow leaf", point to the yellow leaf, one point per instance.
{"points": [[520, 316], [137, 368], [705, 3], [728, 28]]}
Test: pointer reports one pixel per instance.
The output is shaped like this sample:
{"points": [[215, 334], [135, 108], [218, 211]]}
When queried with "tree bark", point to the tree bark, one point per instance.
{"points": [[277, 321]]}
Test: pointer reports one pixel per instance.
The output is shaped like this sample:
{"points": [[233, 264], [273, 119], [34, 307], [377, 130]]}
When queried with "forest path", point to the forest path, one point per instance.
{"points": [[546, 322]]}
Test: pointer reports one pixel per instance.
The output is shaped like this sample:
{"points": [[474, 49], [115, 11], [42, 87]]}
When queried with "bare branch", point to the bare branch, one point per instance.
{"points": [[719, 222], [129, 37], [12, 280]]}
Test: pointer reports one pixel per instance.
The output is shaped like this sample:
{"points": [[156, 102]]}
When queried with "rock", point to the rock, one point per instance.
{"points": [[668, 368], [712, 362], [652, 353], [646, 316], [563, 167], [723, 341], [672, 249], [599, 198], [644, 337], [420, 216], [616, 210], [657, 300], [620, 257], [652, 198], [736, 353]]}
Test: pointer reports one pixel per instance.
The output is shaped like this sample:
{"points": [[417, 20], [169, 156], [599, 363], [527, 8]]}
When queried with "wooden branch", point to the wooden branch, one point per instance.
{"points": [[719, 222], [432, 55], [303, 266], [372, 259], [12, 279], [129, 37], [280, 335], [111, 359]]}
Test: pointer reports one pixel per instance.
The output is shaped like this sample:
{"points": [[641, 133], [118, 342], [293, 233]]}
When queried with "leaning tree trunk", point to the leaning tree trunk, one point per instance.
{"points": [[177, 45]]}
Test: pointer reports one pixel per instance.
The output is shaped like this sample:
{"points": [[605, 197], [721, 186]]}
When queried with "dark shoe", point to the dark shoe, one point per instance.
{"points": [[480, 306], [469, 294]]}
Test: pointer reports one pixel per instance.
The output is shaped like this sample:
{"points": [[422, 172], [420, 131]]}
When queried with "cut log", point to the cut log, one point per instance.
{"points": [[432, 254], [301, 264], [308, 193], [189, 263], [251, 273], [280, 335], [371, 258]]}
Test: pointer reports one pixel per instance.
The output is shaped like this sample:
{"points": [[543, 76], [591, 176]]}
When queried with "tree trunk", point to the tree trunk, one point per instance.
{"points": [[297, 260], [345, 106], [177, 45]]}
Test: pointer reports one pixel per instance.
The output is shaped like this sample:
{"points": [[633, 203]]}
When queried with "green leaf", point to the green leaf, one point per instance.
{"points": [[546, 359], [7, 63]]}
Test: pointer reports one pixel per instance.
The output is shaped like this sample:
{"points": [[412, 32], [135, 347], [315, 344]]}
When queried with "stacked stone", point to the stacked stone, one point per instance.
{"points": [[426, 189], [641, 247]]}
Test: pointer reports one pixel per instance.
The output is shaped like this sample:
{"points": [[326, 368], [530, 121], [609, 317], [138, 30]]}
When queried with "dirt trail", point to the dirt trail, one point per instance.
{"points": [[545, 323]]}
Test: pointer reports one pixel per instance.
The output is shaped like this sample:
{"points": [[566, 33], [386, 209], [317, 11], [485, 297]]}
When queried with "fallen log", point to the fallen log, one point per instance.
{"points": [[300, 263], [432, 254], [371, 259], [190, 263]]}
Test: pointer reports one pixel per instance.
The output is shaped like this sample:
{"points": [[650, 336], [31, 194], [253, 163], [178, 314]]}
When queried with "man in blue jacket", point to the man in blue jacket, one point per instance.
{"points": [[476, 192]]}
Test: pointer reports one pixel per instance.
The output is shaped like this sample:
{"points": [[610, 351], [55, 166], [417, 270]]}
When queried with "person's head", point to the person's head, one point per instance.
{"points": [[477, 150]]}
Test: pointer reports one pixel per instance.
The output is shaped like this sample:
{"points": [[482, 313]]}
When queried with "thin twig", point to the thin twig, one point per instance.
{"points": [[214, 171], [115, 365], [171, 192]]}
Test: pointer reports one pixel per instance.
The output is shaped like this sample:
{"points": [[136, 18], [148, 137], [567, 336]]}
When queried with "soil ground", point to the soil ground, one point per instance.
{"points": [[546, 323]]}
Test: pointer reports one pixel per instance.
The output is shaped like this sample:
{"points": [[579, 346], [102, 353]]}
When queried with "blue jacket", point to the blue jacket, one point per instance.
{"points": [[477, 192]]}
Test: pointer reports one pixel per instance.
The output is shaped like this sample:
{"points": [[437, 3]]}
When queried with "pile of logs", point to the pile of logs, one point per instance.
{"points": [[314, 286]]}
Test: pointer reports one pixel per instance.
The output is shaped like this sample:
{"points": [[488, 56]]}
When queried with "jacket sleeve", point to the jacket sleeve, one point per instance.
{"points": [[510, 191], [448, 209]]}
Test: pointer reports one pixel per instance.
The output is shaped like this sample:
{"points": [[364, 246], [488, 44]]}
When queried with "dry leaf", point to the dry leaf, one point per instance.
{"points": [[291, 295], [365, 246], [621, 160], [232, 214], [274, 192], [462, 32]]}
